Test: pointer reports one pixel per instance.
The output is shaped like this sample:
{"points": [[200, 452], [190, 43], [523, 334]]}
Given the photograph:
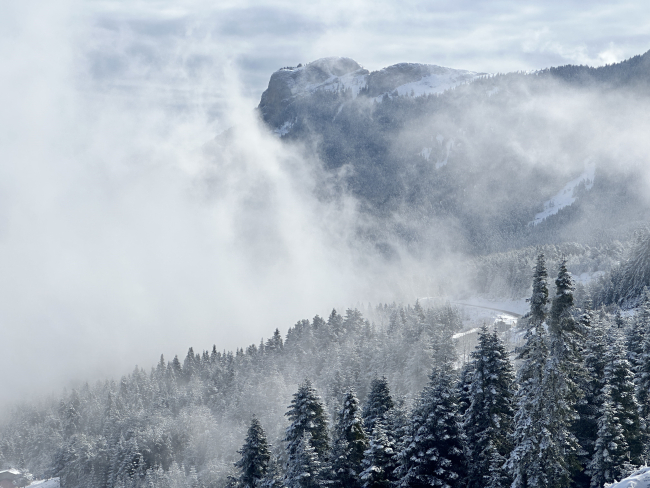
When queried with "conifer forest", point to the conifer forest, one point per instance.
{"points": [[372, 399]]}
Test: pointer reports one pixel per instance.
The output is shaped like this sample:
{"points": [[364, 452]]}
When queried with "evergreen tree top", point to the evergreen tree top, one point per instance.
{"points": [[539, 298]]}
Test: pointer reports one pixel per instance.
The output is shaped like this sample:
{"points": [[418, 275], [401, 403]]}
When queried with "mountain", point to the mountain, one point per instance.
{"points": [[492, 162]]}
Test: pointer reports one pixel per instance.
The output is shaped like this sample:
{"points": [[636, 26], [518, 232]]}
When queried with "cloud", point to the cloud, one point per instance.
{"points": [[124, 232]]}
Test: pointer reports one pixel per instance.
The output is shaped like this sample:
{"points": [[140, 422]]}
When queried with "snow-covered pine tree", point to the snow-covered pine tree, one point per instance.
{"points": [[348, 444], [434, 451], [539, 299], [307, 413], [610, 446], [304, 469], [377, 403], [488, 421], [307, 439], [255, 456], [641, 357], [533, 462], [464, 386], [619, 380], [619, 445], [635, 274], [589, 405], [526, 463], [380, 459], [563, 369]]}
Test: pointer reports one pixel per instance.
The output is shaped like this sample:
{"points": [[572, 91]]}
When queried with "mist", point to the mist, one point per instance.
{"points": [[128, 228]]}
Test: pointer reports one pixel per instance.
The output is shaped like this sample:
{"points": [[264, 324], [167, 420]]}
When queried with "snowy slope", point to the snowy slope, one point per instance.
{"points": [[51, 483], [337, 74], [638, 479], [438, 80], [565, 196], [302, 83]]}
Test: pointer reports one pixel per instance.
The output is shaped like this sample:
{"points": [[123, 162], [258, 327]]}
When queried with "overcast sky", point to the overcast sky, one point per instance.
{"points": [[112, 247], [138, 42]]}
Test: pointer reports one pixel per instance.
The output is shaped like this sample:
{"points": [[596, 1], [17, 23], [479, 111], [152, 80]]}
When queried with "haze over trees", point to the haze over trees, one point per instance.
{"points": [[377, 396]]}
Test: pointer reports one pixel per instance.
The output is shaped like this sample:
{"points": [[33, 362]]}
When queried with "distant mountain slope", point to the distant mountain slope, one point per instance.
{"points": [[450, 158]]}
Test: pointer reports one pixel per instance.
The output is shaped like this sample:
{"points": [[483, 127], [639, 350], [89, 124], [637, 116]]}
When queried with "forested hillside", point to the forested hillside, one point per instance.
{"points": [[474, 166], [348, 402]]}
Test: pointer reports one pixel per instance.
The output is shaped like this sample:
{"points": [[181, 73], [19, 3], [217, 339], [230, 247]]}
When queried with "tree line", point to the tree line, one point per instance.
{"points": [[575, 413]]}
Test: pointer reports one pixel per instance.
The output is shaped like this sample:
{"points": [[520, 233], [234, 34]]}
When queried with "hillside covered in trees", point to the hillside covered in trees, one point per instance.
{"points": [[353, 403]]}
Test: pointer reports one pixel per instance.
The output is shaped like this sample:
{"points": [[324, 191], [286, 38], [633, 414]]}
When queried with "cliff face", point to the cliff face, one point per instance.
{"points": [[287, 84]]}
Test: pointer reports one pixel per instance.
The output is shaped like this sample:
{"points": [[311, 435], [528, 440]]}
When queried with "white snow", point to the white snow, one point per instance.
{"points": [[353, 81], [437, 83], [445, 147], [565, 196], [438, 80], [51, 483], [465, 333], [638, 479], [517, 307], [443, 162]]}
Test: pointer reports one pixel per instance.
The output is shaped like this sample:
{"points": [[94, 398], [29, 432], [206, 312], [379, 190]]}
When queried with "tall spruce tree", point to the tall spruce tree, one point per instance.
{"points": [[434, 451], [589, 406], [377, 403], [562, 373], [349, 444], [307, 439], [641, 365], [526, 463], [307, 413], [608, 460], [255, 456], [619, 443], [488, 420], [304, 470], [539, 299], [380, 459], [535, 460]]}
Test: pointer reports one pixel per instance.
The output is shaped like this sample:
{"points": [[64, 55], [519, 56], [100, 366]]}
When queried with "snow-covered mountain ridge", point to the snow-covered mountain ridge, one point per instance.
{"points": [[340, 74], [499, 160]]}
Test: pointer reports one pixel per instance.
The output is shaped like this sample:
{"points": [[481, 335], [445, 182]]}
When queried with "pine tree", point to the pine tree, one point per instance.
{"points": [[488, 420], [641, 360], [545, 449], [307, 433], [589, 406], [380, 459], [526, 463], [349, 444], [539, 298], [564, 367], [464, 386], [378, 402], [255, 456], [304, 469], [619, 380], [433, 455], [610, 447]]}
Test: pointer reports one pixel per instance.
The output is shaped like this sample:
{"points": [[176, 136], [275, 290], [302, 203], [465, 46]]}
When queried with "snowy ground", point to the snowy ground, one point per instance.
{"points": [[51, 483], [565, 196], [476, 312], [638, 479]]}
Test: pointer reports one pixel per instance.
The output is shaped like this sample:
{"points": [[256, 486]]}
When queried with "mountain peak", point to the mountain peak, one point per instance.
{"points": [[337, 74]]}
